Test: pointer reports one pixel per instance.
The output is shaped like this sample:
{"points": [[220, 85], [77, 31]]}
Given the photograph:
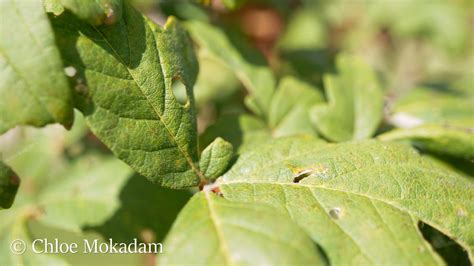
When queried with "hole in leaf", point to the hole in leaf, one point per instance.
{"points": [[179, 91], [302, 174], [451, 252]]}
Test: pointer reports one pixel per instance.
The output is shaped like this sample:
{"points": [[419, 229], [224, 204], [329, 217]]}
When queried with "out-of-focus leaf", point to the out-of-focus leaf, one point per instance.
{"points": [[437, 121], [38, 230], [95, 12], [137, 218], [247, 63], [211, 88], [128, 101], [350, 197], [441, 139], [33, 88], [9, 183], [55, 192], [289, 109], [355, 102], [442, 23], [229, 233], [427, 105], [86, 195], [305, 30], [233, 4], [11, 230], [241, 130], [215, 158]]}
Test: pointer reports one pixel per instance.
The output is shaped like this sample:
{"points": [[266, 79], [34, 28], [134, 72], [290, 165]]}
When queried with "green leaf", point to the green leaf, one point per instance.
{"points": [[289, 109], [426, 105], [305, 31], [84, 195], [92, 181], [437, 121], [9, 183], [351, 197], [440, 23], [355, 102], [229, 233], [233, 4], [95, 12], [441, 139], [216, 158], [137, 218], [55, 192], [129, 104], [212, 88], [33, 88], [242, 131], [247, 63]]}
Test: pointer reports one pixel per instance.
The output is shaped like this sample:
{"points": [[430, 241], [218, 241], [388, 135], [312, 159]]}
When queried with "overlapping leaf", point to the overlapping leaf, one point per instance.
{"points": [[33, 87], [352, 197], [127, 71], [229, 233], [95, 12], [9, 183], [355, 102], [248, 65], [289, 109], [440, 122]]}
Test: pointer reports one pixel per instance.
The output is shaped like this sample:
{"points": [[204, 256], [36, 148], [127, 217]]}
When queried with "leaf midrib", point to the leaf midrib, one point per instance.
{"points": [[186, 156], [216, 224]]}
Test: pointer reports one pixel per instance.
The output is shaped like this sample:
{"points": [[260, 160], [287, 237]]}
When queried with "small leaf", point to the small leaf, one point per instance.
{"points": [[9, 183], [435, 121], [354, 196], [127, 71], [256, 77], [229, 233], [216, 158], [95, 12], [355, 102], [441, 139], [289, 109], [33, 88]]}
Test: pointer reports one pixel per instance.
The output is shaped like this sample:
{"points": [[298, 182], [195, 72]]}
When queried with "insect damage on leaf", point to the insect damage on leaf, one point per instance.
{"points": [[318, 171], [131, 107], [388, 186]]}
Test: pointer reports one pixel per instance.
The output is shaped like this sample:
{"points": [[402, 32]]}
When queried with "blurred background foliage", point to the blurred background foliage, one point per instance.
{"points": [[422, 52]]}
